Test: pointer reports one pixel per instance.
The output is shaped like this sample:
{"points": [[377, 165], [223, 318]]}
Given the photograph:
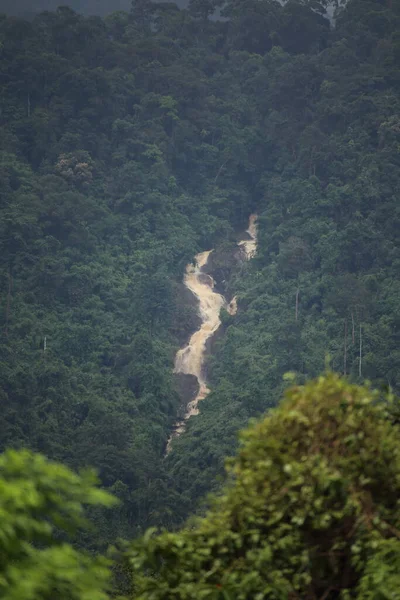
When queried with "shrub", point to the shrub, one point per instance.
{"points": [[311, 512]]}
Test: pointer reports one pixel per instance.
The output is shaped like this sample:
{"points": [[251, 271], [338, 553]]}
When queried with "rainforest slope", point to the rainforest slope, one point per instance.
{"points": [[130, 143]]}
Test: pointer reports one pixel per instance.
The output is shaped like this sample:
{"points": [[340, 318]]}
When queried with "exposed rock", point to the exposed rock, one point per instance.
{"points": [[187, 319], [187, 387], [221, 263]]}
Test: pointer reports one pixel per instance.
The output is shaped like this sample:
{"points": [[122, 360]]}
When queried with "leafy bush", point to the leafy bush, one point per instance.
{"points": [[41, 502], [312, 510]]}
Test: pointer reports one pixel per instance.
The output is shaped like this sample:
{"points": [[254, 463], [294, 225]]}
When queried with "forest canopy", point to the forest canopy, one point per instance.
{"points": [[128, 144]]}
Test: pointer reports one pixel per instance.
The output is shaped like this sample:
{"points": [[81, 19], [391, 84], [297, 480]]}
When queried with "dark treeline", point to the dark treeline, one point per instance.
{"points": [[30, 8], [130, 143]]}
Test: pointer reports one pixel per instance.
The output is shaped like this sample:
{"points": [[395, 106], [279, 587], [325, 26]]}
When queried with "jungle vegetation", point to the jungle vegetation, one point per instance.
{"points": [[131, 142], [310, 511]]}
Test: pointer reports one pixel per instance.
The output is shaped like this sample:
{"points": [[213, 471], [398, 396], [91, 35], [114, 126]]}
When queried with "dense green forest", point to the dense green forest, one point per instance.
{"points": [[310, 511], [30, 8], [128, 144]]}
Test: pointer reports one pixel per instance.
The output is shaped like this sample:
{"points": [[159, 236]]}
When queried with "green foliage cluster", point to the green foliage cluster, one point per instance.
{"points": [[128, 144], [312, 509], [41, 502]]}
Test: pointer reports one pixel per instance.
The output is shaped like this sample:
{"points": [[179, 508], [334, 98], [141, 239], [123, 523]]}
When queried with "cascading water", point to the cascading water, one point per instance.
{"points": [[190, 359], [250, 246]]}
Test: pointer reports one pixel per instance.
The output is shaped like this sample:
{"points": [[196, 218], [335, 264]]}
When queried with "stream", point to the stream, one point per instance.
{"points": [[190, 359]]}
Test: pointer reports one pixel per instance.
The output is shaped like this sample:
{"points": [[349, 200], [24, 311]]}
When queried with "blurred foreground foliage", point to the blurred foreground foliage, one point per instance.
{"points": [[41, 508]]}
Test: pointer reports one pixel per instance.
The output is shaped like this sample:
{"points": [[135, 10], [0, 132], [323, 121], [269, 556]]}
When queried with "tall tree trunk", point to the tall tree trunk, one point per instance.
{"points": [[8, 306], [297, 303], [345, 348], [352, 328], [219, 171], [360, 360]]}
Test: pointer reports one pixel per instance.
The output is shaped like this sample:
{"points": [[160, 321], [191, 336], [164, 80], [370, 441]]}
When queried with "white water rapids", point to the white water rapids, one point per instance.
{"points": [[190, 359]]}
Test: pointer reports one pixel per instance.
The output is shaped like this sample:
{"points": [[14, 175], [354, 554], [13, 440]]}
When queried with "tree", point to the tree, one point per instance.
{"points": [[311, 510], [41, 504], [142, 15], [203, 9]]}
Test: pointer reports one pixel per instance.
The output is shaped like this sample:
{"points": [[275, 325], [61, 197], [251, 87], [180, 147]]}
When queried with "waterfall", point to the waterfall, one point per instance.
{"points": [[190, 359], [250, 245]]}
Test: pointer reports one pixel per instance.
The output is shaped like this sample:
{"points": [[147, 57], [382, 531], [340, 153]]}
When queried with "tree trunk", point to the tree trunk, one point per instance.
{"points": [[345, 348], [219, 171], [297, 303], [352, 328], [360, 361], [8, 306]]}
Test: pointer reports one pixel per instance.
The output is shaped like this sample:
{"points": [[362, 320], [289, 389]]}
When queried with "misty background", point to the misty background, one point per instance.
{"points": [[28, 8]]}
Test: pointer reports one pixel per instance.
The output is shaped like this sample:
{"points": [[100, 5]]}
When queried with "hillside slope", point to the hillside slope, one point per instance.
{"points": [[130, 144]]}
